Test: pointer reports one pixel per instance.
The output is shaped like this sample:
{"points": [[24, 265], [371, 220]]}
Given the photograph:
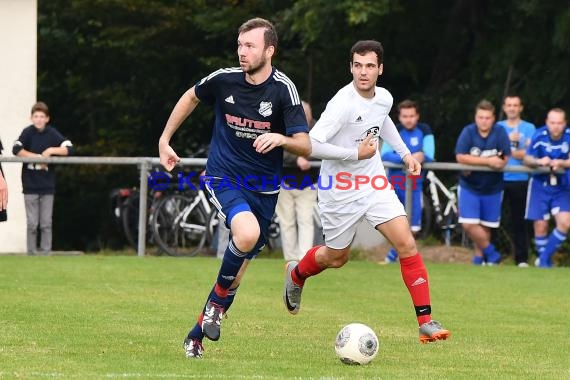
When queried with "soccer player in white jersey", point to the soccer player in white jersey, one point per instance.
{"points": [[346, 139]]}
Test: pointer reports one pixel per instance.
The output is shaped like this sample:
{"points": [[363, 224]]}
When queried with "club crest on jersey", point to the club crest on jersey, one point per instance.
{"points": [[374, 131], [265, 109]]}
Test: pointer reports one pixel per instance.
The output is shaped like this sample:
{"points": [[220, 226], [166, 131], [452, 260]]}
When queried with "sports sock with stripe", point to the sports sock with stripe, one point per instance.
{"points": [[539, 243], [555, 240], [196, 332], [231, 264], [415, 277], [307, 267]]}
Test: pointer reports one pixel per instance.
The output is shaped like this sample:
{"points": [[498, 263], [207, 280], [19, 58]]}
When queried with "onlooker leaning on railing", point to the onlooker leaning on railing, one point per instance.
{"points": [[38, 179]]}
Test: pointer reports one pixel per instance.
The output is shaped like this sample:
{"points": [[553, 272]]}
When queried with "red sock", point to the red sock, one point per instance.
{"points": [[221, 292], [415, 277], [307, 267]]}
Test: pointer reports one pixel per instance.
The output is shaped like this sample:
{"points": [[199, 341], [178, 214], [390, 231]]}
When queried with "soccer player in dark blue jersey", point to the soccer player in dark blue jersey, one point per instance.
{"points": [[258, 113], [549, 193], [482, 143]]}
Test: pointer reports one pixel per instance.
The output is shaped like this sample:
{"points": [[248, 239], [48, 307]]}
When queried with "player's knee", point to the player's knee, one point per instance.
{"points": [[246, 240], [407, 247], [338, 259], [563, 226], [468, 227]]}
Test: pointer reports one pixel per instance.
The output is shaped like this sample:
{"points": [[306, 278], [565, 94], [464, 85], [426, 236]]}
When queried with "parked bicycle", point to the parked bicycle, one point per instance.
{"points": [[183, 223], [125, 208]]}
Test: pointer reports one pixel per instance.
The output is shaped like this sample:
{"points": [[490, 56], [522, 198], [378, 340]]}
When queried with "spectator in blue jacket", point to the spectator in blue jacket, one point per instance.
{"points": [[38, 180], [419, 139]]}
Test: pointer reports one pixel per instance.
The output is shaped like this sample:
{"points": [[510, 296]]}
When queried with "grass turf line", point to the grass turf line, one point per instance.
{"points": [[113, 316]]}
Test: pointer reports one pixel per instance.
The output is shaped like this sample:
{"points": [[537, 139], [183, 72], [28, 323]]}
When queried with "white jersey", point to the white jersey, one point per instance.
{"points": [[346, 121]]}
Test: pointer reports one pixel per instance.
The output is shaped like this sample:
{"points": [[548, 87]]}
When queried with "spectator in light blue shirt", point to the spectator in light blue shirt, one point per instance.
{"points": [[516, 184]]}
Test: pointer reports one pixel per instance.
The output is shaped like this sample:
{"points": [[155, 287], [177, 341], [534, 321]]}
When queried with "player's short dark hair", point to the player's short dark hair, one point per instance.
{"points": [[40, 107], [513, 96], [367, 46], [408, 104], [270, 35], [485, 105]]}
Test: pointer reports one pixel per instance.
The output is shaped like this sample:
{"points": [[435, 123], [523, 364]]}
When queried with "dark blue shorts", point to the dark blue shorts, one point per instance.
{"points": [[231, 200]]}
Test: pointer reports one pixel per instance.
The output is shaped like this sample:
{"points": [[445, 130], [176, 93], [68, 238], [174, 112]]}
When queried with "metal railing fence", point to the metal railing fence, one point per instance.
{"points": [[145, 164]]}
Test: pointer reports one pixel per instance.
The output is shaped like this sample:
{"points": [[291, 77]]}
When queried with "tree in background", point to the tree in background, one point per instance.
{"points": [[112, 70]]}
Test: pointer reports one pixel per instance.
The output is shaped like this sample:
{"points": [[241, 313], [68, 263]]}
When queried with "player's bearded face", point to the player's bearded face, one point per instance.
{"points": [[254, 66], [252, 53]]}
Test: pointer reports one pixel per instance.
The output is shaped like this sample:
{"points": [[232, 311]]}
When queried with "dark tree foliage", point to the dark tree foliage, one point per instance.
{"points": [[111, 71]]}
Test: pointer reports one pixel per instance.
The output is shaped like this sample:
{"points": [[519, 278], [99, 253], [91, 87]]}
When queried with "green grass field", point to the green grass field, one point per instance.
{"points": [[92, 317]]}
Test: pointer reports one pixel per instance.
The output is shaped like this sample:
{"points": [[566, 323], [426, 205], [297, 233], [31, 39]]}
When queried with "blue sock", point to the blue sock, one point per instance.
{"points": [[477, 260], [540, 243], [231, 264], [491, 254], [555, 240], [392, 255], [196, 332]]}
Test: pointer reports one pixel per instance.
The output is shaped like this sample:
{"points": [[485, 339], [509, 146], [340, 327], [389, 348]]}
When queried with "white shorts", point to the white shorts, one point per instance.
{"points": [[340, 221]]}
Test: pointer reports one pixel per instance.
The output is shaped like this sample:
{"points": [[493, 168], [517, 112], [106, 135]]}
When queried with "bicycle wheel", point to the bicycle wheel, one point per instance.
{"points": [[273, 233], [179, 225], [452, 233], [130, 218], [213, 224]]}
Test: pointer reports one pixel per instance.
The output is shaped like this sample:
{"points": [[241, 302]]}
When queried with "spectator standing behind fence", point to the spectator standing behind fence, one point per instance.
{"points": [[482, 143], [549, 193], [520, 133], [38, 180], [3, 192], [296, 202], [418, 137]]}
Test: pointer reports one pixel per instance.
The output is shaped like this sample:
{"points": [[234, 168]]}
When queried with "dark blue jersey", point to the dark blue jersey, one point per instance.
{"points": [[39, 178], [542, 145], [495, 144], [243, 112]]}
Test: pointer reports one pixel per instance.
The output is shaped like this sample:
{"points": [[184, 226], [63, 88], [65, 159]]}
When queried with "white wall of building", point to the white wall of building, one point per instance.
{"points": [[18, 73]]}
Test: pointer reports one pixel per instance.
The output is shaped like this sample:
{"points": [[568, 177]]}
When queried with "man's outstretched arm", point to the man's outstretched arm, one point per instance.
{"points": [[183, 108]]}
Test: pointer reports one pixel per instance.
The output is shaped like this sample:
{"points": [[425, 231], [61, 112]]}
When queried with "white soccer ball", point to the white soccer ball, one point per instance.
{"points": [[356, 344]]}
